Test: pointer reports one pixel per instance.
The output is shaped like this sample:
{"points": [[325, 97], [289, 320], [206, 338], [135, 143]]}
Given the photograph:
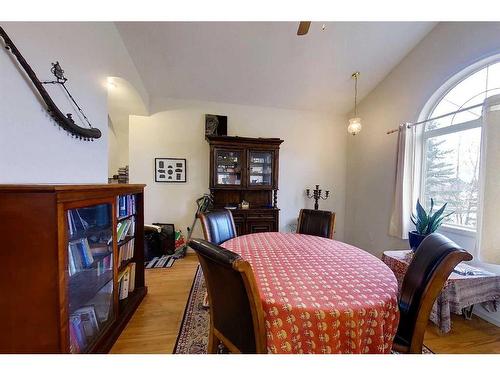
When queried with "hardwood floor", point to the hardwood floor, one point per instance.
{"points": [[154, 326], [475, 336]]}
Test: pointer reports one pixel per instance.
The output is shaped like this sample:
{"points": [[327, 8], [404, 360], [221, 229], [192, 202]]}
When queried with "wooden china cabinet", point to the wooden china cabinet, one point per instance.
{"points": [[246, 169]]}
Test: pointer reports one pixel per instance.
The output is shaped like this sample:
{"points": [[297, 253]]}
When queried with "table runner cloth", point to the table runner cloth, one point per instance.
{"points": [[459, 291], [321, 295]]}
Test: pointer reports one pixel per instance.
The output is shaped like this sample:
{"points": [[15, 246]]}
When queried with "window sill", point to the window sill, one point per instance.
{"points": [[458, 230]]}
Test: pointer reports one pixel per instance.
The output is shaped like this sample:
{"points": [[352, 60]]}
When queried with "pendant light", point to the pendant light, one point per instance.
{"points": [[355, 122]]}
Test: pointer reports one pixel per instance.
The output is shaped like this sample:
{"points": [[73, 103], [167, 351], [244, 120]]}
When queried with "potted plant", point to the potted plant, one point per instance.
{"points": [[425, 223]]}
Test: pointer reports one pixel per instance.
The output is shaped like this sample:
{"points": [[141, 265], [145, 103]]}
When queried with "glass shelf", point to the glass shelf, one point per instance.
{"points": [[228, 167], [260, 168]]}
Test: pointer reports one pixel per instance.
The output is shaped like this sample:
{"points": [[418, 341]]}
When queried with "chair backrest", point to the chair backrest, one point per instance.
{"points": [[432, 264], [218, 226], [316, 222], [235, 307]]}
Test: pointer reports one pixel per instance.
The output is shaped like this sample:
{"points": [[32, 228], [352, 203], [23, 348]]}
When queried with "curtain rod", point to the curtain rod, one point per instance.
{"points": [[410, 124]]}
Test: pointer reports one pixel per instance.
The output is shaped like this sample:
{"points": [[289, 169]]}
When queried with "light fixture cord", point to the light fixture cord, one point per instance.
{"points": [[355, 95]]}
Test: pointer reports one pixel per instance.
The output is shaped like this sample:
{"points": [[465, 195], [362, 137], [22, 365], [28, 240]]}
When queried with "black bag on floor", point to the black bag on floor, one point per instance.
{"points": [[159, 239]]}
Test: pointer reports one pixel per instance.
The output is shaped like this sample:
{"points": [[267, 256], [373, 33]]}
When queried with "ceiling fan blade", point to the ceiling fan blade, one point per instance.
{"points": [[303, 27]]}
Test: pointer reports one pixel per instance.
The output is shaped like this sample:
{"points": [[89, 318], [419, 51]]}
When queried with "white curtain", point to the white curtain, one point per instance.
{"points": [[404, 193], [488, 238]]}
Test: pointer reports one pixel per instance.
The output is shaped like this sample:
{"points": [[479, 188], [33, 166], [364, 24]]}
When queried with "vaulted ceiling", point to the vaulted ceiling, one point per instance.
{"points": [[266, 63]]}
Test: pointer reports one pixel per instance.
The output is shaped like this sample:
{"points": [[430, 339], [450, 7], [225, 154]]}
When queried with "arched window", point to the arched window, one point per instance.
{"points": [[451, 148]]}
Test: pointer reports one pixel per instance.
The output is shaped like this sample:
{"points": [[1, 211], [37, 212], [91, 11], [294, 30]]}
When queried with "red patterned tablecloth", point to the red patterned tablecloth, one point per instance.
{"points": [[460, 292], [321, 295]]}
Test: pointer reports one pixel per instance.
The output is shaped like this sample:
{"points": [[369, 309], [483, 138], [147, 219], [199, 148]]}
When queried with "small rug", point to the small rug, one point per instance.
{"points": [[193, 333], [164, 261]]}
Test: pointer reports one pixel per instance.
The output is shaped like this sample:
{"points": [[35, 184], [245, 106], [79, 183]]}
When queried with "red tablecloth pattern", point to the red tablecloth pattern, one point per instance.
{"points": [[459, 291], [321, 295]]}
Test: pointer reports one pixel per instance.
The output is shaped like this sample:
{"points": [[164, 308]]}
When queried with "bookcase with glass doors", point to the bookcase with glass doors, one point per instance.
{"points": [[75, 265]]}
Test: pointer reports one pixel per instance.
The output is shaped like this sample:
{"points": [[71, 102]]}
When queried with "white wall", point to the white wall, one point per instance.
{"points": [[313, 152], [445, 51], [123, 100], [114, 149], [32, 149], [400, 97]]}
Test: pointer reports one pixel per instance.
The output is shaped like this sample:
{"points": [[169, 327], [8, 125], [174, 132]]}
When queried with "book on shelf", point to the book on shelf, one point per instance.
{"points": [[126, 281], [123, 283], [83, 328], [78, 340], [76, 223], [99, 249], [125, 228], [125, 205], [105, 264], [131, 285], [103, 303], [89, 321], [79, 255], [126, 251]]}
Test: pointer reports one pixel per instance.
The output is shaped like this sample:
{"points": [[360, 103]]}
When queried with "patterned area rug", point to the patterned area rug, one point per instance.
{"points": [[193, 333]]}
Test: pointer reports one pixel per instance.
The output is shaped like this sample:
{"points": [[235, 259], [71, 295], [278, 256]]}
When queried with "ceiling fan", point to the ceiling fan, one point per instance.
{"points": [[303, 27]]}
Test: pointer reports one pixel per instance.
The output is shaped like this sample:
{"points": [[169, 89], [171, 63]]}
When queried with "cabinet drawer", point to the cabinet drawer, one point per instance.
{"points": [[261, 217], [258, 226]]}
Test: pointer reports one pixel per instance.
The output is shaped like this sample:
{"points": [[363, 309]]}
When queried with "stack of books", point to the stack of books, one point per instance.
{"points": [[76, 222], [126, 251], [126, 281], [82, 256], [86, 322], [123, 175], [105, 264], [83, 328], [125, 205], [79, 255], [125, 228]]}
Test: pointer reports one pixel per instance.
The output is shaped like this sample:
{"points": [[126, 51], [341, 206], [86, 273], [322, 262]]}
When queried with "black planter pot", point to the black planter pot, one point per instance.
{"points": [[414, 239]]}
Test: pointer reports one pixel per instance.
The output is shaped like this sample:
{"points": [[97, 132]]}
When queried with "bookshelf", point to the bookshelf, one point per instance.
{"points": [[73, 266]]}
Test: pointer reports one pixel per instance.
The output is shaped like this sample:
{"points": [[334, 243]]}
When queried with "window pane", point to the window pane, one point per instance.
{"points": [[493, 78], [470, 91], [451, 175]]}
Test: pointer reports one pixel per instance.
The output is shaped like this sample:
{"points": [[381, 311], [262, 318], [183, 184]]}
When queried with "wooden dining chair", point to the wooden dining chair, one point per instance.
{"points": [[432, 264], [316, 222], [236, 314], [218, 226]]}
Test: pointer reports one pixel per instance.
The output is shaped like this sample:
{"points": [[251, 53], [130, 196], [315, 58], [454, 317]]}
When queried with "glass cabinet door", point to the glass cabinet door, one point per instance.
{"points": [[260, 168], [228, 167], [90, 274]]}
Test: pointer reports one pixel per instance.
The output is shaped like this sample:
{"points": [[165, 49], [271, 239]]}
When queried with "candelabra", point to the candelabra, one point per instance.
{"points": [[317, 195]]}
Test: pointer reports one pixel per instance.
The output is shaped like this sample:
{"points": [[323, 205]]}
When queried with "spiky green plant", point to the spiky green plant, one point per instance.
{"points": [[427, 223]]}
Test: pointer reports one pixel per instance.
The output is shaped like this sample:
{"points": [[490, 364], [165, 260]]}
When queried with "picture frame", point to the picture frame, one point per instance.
{"points": [[170, 170], [215, 125]]}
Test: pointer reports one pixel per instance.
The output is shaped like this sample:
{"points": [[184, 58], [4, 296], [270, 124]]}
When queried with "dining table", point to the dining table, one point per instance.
{"points": [[321, 295]]}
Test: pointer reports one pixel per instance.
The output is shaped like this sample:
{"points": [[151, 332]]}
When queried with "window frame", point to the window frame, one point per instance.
{"points": [[426, 135], [464, 236]]}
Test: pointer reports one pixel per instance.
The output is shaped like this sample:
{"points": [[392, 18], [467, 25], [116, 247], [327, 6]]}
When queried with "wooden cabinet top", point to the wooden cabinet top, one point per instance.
{"points": [[224, 139], [59, 188]]}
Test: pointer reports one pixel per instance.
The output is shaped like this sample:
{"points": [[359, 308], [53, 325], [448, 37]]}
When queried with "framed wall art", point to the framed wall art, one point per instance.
{"points": [[170, 170], [215, 125]]}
